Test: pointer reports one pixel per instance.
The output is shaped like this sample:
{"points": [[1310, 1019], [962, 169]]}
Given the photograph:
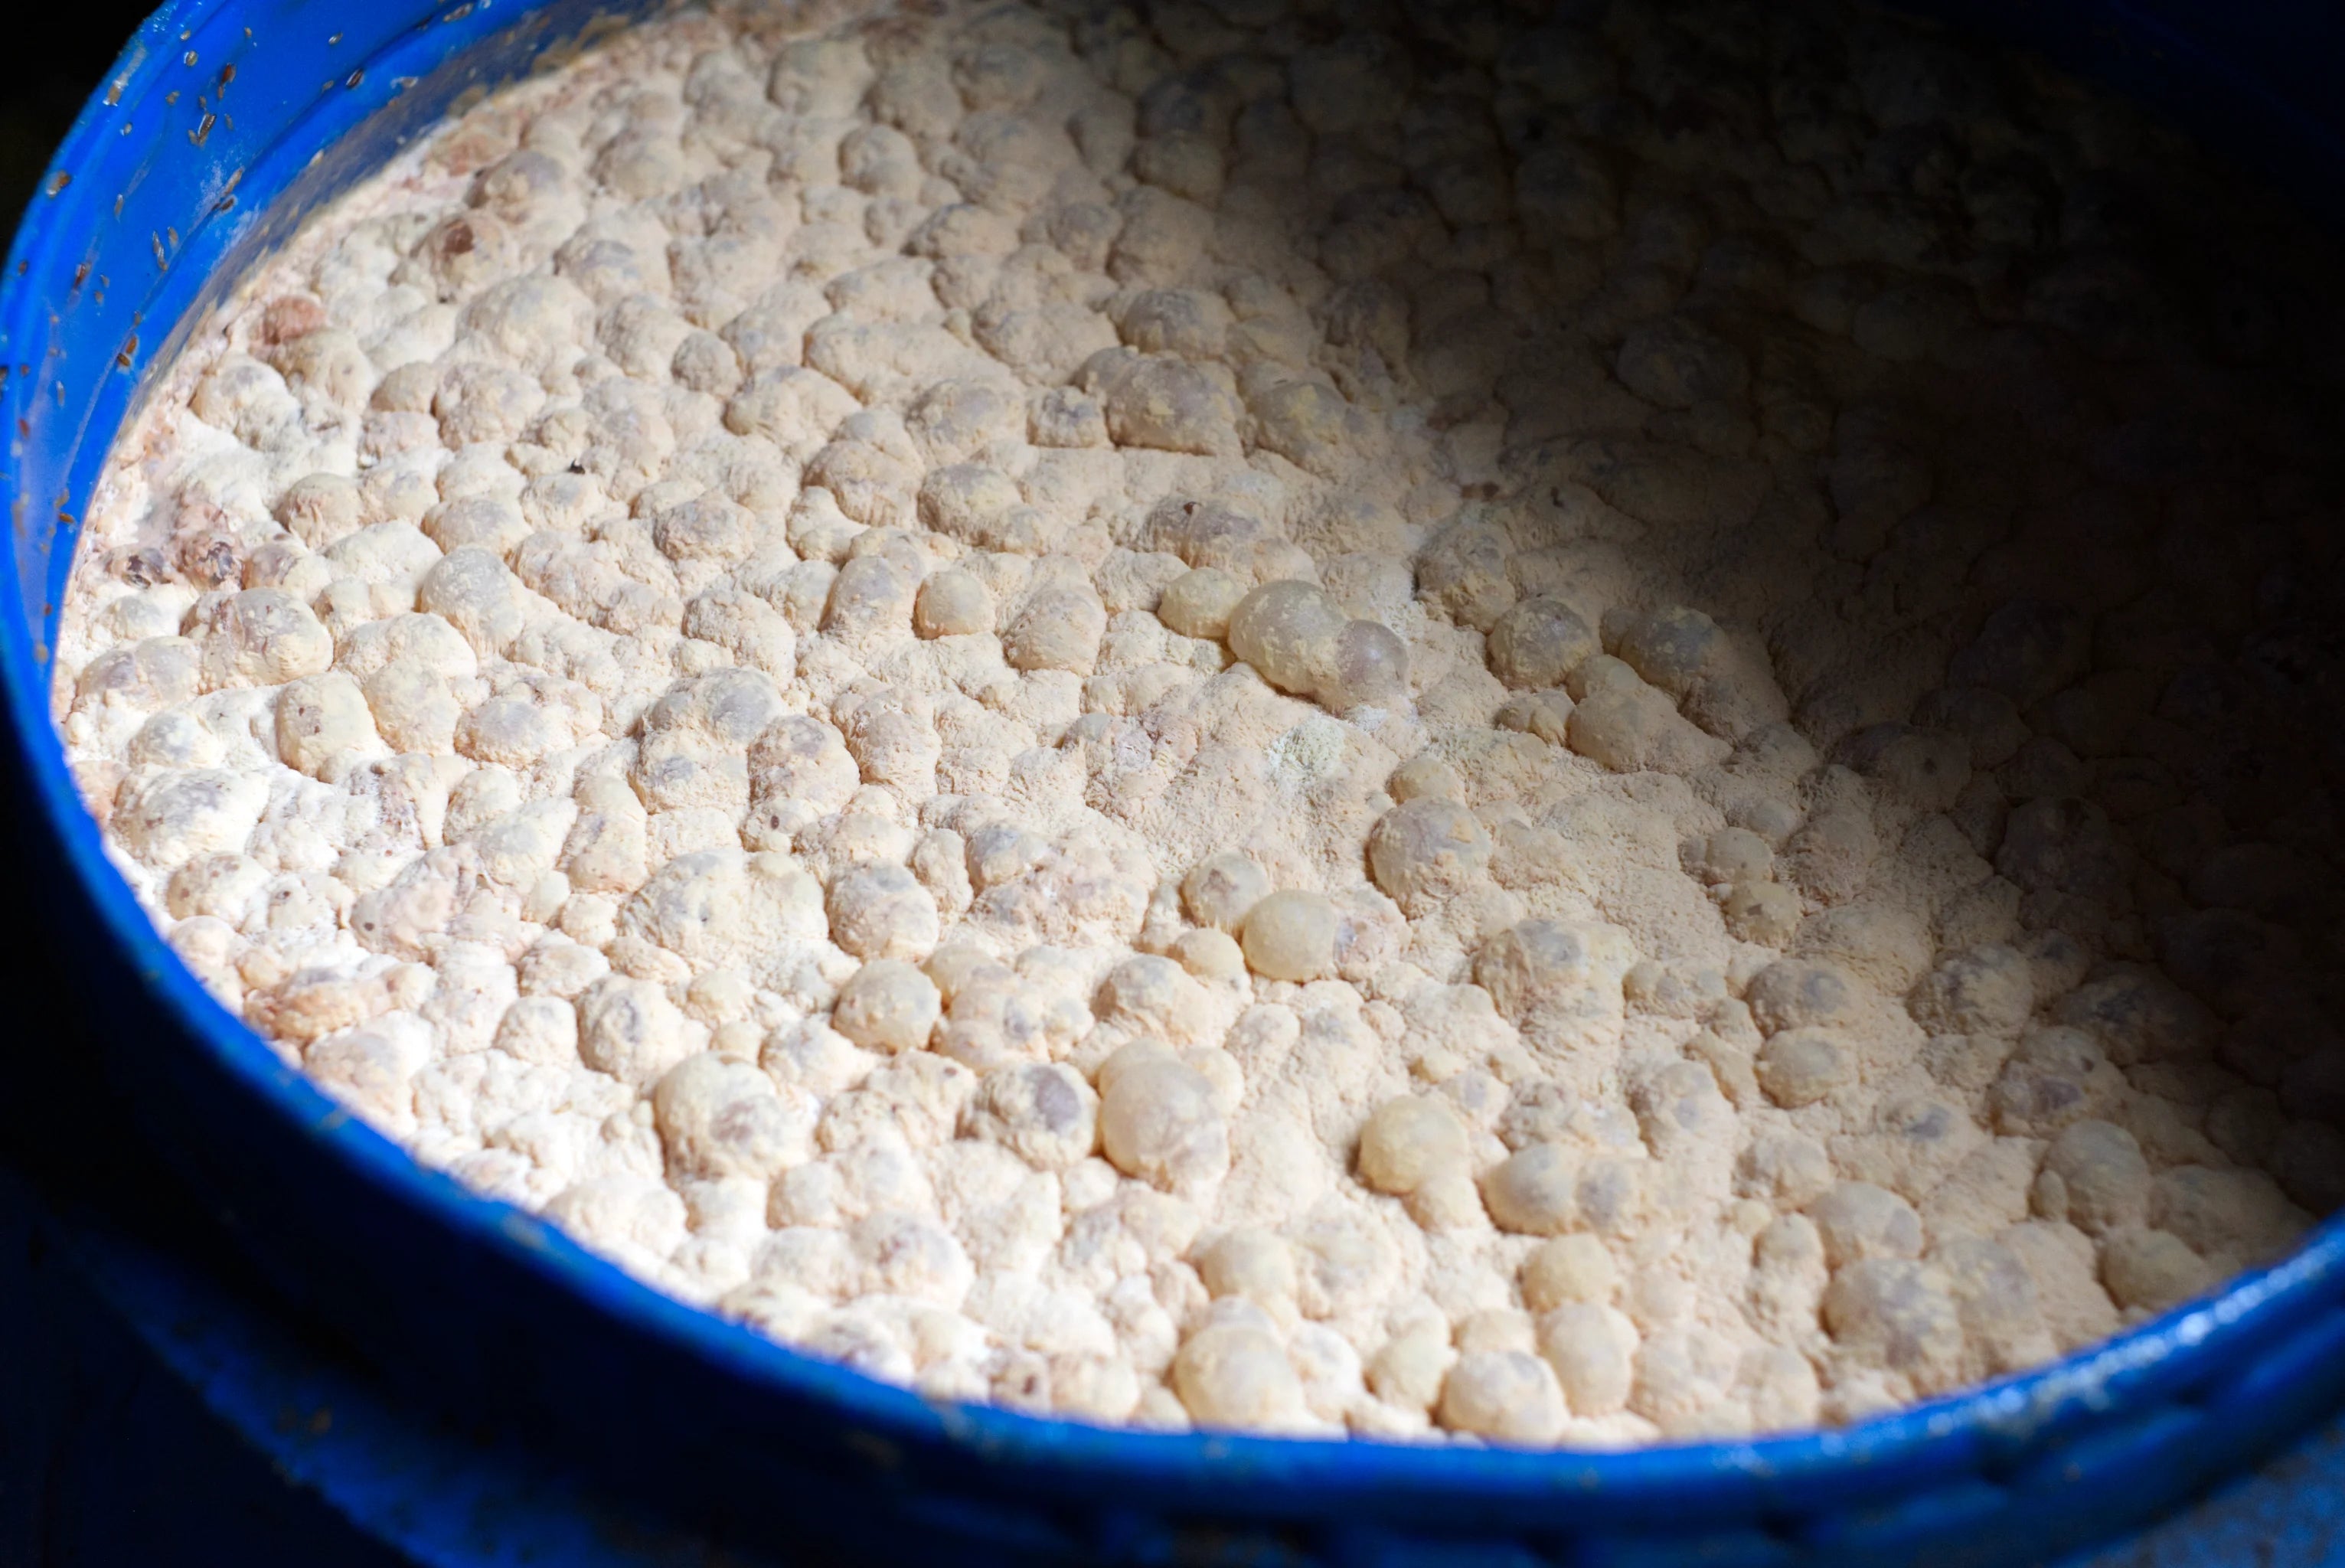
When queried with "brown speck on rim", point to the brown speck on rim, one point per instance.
{"points": [[189, 59], [203, 129], [129, 351], [117, 205], [227, 75], [355, 78], [225, 204], [59, 179], [172, 96], [113, 91], [172, 235], [81, 275]]}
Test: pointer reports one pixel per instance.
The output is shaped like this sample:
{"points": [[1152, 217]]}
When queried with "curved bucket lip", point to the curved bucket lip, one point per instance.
{"points": [[1991, 1430]]}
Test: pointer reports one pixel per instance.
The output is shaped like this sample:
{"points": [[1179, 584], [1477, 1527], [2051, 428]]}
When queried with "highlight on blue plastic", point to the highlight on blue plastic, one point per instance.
{"points": [[227, 120]]}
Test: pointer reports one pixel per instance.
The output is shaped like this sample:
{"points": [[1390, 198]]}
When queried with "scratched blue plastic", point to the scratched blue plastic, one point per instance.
{"points": [[175, 178]]}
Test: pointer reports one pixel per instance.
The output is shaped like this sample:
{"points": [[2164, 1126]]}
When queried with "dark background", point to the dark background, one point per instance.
{"points": [[105, 1459], [53, 61]]}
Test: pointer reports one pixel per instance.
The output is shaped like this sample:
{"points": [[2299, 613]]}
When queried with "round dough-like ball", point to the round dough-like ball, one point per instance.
{"points": [[1631, 729], [1258, 1265], [1782, 1387], [474, 591], [719, 1117], [952, 604], [1199, 604], [1731, 856], [323, 720], [1538, 966], [872, 595], [1043, 1112], [1155, 994], [2152, 1269], [1893, 1313], [1568, 1268], [1157, 1122], [906, 1254], [1231, 1375], [1288, 631], [1671, 647], [1291, 935], [1368, 668], [887, 1005], [1858, 1220], [1793, 993], [1446, 1200], [882, 911], [1425, 776], [1985, 990], [1426, 849], [541, 1031], [1537, 642], [1407, 1371], [1534, 1191], [321, 508], [967, 500], [1767, 913], [265, 636], [1593, 1349], [1408, 1140], [1213, 956], [2095, 1178], [1220, 889], [630, 1029], [1510, 1396], [1058, 629], [412, 706], [1800, 1066]]}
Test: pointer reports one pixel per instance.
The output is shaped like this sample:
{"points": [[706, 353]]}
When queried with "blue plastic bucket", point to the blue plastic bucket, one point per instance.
{"points": [[225, 122]]}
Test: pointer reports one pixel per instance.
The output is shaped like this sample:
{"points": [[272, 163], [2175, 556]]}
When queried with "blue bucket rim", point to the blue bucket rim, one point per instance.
{"points": [[1992, 1428]]}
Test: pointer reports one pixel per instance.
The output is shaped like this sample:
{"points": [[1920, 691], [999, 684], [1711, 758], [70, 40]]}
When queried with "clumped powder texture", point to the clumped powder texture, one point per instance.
{"points": [[1409, 721]]}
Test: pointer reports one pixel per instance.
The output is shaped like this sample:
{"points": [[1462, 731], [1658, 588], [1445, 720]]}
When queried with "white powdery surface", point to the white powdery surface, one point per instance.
{"points": [[1433, 724]]}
